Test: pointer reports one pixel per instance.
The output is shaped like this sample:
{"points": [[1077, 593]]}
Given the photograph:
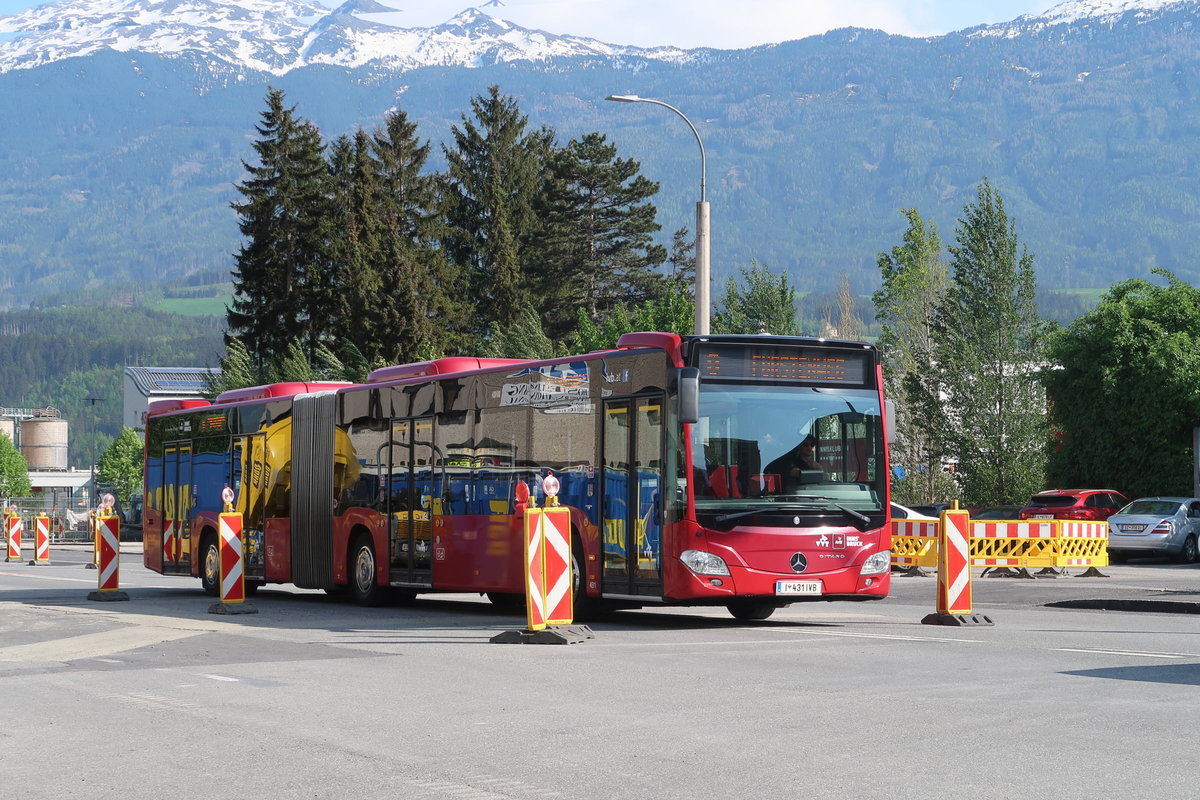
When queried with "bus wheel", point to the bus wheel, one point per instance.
{"points": [[363, 586], [749, 610], [210, 565]]}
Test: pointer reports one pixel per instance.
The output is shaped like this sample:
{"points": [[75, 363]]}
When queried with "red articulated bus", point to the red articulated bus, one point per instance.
{"points": [[748, 472]]}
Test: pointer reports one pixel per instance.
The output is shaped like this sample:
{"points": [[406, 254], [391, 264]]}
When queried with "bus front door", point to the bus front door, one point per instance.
{"points": [[632, 498], [414, 498]]}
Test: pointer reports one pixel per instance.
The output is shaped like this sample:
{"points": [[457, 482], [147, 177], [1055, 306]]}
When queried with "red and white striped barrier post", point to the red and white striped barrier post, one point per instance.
{"points": [[41, 541], [12, 535], [109, 550], [548, 584], [230, 561], [954, 572]]}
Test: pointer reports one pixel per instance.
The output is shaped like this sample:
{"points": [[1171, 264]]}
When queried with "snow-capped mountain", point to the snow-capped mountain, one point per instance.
{"points": [[278, 36], [1084, 12]]}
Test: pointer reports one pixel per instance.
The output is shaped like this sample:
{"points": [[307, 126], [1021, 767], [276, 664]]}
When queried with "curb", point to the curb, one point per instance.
{"points": [[1156, 606]]}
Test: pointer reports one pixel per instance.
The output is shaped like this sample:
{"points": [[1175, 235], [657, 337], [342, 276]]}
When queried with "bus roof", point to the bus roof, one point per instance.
{"points": [[440, 366], [274, 390]]}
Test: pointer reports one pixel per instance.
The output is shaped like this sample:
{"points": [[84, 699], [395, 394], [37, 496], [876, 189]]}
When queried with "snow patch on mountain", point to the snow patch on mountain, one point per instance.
{"points": [[277, 36], [1080, 12]]}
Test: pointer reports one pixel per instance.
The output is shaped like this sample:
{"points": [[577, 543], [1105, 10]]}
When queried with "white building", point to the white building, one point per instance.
{"points": [[143, 384]]}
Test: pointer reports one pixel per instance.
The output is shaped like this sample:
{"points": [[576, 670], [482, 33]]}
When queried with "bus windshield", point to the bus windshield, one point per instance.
{"points": [[783, 445]]}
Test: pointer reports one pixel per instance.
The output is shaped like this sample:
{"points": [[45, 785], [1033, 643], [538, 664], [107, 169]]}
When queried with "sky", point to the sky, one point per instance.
{"points": [[711, 23]]}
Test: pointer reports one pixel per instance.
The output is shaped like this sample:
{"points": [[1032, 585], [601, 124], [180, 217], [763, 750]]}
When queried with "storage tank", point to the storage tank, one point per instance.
{"points": [[44, 443], [8, 426]]}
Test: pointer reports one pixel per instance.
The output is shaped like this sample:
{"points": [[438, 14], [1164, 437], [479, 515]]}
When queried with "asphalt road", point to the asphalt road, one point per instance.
{"points": [[314, 698]]}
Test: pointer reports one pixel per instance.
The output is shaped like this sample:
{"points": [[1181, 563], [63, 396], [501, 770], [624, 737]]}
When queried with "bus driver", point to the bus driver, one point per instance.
{"points": [[796, 461]]}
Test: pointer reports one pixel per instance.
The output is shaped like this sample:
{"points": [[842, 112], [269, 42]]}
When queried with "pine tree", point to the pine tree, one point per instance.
{"points": [[493, 176], [988, 352], [237, 370], [357, 249], [598, 250], [278, 277], [914, 280], [761, 301], [422, 313], [682, 261]]}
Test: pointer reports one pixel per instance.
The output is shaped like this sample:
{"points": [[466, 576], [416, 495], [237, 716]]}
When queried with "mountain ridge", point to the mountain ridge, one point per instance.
{"points": [[118, 166]]}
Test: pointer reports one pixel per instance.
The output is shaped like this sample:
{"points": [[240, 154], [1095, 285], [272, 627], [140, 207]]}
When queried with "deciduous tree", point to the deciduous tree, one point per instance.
{"points": [[914, 280], [1125, 391], [120, 465], [762, 300]]}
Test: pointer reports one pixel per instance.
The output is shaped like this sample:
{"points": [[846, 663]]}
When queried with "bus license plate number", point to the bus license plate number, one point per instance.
{"points": [[797, 587]]}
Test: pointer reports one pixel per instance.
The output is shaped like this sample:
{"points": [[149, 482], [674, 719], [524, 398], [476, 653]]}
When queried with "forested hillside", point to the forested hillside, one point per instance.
{"points": [[61, 357]]}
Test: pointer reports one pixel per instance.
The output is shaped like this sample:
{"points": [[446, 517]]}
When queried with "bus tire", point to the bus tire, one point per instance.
{"points": [[364, 588], [210, 564], [751, 610]]}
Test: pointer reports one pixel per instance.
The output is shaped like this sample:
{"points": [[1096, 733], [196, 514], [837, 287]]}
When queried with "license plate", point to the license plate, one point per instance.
{"points": [[1043, 516], [798, 587], [1132, 528]]}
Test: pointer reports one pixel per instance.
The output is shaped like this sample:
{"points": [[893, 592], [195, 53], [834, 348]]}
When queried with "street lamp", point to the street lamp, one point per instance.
{"points": [[702, 216], [91, 401]]}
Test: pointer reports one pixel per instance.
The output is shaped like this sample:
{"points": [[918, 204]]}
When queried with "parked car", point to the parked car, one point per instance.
{"points": [[1081, 504], [904, 512], [1167, 526], [931, 509], [997, 512]]}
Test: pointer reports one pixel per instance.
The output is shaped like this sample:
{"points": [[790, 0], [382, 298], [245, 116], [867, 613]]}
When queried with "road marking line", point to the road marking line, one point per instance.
{"points": [[1126, 653], [47, 577], [225, 678], [93, 645], [893, 637]]}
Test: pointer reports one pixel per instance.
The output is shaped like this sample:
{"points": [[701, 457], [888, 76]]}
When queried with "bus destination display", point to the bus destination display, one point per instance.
{"points": [[806, 365]]}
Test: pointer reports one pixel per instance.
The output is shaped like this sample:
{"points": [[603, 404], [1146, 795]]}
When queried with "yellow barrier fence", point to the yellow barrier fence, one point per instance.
{"points": [[1019, 544]]}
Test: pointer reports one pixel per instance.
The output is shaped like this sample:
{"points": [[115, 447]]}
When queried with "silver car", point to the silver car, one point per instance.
{"points": [[1168, 526]]}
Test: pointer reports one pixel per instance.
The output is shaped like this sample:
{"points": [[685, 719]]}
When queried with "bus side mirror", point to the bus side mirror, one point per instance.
{"points": [[889, 419], [689, 394]]}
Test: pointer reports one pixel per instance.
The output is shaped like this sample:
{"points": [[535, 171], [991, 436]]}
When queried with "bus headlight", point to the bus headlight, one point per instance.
{"points": [[703, 563], [877, 563]]}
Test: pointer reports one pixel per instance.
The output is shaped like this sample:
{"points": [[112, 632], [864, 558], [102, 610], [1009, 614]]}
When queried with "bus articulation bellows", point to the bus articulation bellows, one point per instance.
{"points": [[741, 471]]}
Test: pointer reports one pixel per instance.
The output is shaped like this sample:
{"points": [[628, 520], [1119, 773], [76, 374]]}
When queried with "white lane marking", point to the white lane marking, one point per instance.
{"points": [[893, 637], [225, 678], [92, 645], [1135, 653], [91, 580]]}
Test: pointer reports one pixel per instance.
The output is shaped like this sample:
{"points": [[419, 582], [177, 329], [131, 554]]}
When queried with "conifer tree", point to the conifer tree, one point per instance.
{"points": [[493, 177], [423, 311], [357, 249], [278, 279], [598, 252], [988, 353]]}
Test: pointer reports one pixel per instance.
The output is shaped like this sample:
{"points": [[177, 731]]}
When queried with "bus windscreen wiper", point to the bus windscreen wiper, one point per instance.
{"points": [[863, 518]]}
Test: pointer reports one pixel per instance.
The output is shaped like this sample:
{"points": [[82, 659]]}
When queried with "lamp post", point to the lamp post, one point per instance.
{"points": [[91, 401], [702, 216]]}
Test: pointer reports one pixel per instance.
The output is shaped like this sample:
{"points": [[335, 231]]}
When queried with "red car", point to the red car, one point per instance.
{"points": [[1089, 504]]}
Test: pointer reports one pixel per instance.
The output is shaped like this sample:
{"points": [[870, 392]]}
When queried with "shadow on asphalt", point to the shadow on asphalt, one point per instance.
{"points": [[1180, 674]]}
